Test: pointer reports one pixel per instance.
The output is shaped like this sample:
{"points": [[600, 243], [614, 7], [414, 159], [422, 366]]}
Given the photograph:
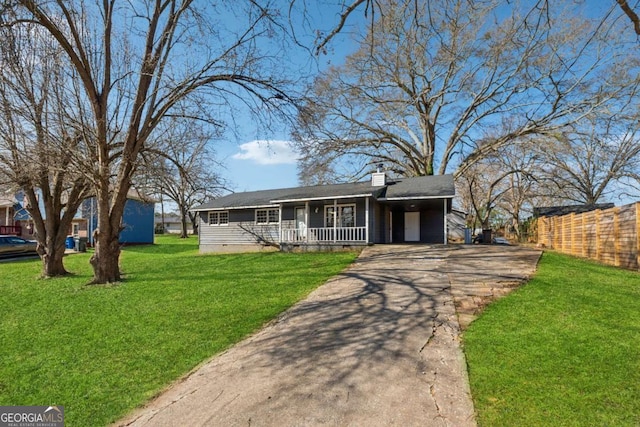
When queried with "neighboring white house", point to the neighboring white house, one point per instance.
{"points": [[172, 224]]}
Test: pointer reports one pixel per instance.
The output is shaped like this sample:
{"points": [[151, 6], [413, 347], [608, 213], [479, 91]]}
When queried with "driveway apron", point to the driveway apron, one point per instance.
{"points": [[377, 345]]}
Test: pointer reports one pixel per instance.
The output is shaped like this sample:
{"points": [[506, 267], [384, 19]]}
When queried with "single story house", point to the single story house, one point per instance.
{"points": [[325, 217], [171, 224]]}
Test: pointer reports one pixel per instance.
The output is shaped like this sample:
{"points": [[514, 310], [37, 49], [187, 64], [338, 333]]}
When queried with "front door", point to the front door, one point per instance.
{"points": [[412, 226], [301, 223]]}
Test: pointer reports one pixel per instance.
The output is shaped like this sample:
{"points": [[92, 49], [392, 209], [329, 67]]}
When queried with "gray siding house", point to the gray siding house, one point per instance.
{"points": [[326, 217]]}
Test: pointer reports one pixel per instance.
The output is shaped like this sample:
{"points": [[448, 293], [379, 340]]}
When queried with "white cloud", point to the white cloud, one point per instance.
{"points": [[267, 152]]}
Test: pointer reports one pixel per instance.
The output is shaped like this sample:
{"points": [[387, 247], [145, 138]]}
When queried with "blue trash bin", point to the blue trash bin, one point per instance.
{"points": [[467, 236], [70, 243]]}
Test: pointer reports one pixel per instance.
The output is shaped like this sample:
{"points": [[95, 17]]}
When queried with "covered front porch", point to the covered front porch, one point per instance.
{"points": [[363, 221], [325, 235], [326, 222]]}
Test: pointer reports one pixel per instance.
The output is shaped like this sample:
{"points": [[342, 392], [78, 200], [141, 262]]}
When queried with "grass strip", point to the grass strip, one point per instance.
{"points": [[563, 350]]}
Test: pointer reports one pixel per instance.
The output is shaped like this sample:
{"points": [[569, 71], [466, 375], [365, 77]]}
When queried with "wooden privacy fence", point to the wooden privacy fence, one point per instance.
{"points": [[611, 235]]}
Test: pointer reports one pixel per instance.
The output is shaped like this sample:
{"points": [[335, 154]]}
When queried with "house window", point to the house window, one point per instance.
{"points": [[219, 218], [273, 215], [267, 216], [223, 217], [346, 215]]}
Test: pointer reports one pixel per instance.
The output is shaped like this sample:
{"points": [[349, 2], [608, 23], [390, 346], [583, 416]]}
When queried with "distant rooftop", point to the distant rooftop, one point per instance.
{"points": [[565, 210]]}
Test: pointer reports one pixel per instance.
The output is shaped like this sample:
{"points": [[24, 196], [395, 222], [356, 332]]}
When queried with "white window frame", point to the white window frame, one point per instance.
{"points": [[268, 213], [218, 218], [340, 208], [225, 220]]}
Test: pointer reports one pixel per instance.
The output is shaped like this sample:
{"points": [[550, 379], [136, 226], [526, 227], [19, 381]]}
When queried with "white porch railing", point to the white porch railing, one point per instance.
{"points": [[328, 235]]}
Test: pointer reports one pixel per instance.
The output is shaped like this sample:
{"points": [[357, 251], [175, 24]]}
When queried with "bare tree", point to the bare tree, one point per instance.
{"points": [[582, 166], [585, 164], [430, 80], [37, 148], [323, 36], [139, 62], [481, 186], [503, 183], [521, 185], [181, 166], [631, 14]]}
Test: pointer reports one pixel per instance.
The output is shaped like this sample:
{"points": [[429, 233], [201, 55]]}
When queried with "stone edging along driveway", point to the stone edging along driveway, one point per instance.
{"points": [[377, 345]]}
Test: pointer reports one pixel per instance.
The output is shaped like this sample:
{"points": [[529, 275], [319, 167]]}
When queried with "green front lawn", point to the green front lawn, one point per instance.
{"points": [[563, 350], [100, 351]]}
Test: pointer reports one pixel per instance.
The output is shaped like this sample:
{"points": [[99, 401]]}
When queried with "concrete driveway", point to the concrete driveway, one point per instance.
{"points": [[377, 345]]}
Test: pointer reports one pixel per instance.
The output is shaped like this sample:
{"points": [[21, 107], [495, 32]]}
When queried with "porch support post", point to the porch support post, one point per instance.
{"points": [[6, 215], [445, 221], [306, 221], [335, 219], [279, 223], [366, 219]]}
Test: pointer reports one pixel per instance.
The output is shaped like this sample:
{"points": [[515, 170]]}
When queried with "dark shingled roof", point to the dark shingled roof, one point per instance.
{"points": [[320, 192], [422, 187], [564, 210]]}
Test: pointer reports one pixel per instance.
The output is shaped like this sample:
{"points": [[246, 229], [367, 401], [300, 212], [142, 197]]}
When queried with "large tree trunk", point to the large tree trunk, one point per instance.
{"points": [[52, 227], [184, 233], [105, 259], [194, 222], [52, 254]]}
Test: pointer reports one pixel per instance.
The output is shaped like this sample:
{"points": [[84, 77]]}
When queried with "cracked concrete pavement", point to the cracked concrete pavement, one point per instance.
{"points": [[377, 345]]}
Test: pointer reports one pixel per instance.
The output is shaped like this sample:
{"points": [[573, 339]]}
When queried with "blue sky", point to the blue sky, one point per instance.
{"points": [[256, 159], [259, 164]]}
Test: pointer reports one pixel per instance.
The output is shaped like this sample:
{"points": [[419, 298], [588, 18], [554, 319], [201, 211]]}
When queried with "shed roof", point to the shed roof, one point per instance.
{"points": [[565, 210], [424, 187]]}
